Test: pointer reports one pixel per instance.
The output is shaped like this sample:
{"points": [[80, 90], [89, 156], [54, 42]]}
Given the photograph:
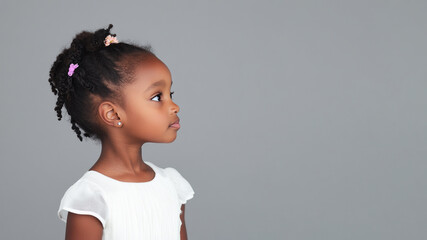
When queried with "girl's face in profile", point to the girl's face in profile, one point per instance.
{"points": [[148, 103]]}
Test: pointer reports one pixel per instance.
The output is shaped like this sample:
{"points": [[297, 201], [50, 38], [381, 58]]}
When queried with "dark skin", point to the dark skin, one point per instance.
{"points": [[145, 117]]}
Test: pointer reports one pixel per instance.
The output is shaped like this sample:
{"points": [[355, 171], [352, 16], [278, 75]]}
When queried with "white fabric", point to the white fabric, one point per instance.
{"points": [[131, 210]]}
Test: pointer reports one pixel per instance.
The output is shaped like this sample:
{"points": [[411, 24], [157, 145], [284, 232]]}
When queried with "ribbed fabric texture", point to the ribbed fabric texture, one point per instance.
{"points": [[131, 210]]}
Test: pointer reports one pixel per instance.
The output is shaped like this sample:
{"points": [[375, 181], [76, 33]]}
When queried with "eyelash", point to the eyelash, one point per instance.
{"points": [[160, 94]]}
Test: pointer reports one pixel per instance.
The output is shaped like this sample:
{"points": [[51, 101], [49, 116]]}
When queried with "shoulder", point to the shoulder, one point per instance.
{"points": [[88, 183], [183, 187], [168, 172], [84, 197], [85, 186]]}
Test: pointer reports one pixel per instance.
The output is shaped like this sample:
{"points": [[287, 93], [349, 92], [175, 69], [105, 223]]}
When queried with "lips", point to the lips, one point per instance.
{"points": [[175, 124]]}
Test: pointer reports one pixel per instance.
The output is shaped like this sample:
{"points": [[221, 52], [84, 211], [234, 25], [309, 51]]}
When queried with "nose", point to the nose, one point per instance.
{"points": [[174, 108]]}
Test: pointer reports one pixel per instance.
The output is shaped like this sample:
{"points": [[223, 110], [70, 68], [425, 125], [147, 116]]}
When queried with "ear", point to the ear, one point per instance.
{"points": [[109, 114]]}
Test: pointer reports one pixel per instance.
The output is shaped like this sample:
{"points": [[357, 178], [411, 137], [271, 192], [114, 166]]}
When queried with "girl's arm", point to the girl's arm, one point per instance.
{"points": [[183, 228], [83, 227]]}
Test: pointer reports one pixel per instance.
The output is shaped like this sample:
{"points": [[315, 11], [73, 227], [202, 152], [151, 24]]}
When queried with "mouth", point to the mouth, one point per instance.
{"points": [[175, 124]]}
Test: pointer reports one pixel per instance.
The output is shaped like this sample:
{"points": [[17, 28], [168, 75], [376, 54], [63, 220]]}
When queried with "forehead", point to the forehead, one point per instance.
{"points": [[151, 70]]}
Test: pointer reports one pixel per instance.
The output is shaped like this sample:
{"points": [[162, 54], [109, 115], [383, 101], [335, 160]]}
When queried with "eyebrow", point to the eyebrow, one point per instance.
{"points": [[158, 83]]}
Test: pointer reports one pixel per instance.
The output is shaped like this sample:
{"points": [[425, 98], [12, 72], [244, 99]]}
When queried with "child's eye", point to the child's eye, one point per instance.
{"points": [[160, 94]]}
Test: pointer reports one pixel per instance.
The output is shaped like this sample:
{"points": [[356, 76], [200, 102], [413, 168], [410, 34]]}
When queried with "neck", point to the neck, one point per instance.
{"points": [[118, 156]]}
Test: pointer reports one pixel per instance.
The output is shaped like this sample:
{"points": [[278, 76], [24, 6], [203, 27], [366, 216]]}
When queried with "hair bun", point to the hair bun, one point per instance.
{"points": [[91, 41]]}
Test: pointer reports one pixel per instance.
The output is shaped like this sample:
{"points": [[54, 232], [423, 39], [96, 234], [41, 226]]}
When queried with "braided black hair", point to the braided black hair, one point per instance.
{"points": [[101, 72]]}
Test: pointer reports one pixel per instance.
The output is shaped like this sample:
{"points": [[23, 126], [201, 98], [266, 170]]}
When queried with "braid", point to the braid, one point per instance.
{"points": [[76, 128], [101, 72]]}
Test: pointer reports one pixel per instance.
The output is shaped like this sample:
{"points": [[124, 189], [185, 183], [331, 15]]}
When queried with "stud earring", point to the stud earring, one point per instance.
{"points": [[119, 123]]}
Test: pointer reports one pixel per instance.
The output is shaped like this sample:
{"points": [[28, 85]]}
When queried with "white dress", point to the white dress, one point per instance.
{"points": [[131, 210]]}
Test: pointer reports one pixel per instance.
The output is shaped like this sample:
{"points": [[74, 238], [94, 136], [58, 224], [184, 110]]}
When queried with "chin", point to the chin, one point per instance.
{"points": [[171, 140]]}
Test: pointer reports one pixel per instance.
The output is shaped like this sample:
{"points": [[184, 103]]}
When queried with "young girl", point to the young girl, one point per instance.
{"points": [[119, 93]]}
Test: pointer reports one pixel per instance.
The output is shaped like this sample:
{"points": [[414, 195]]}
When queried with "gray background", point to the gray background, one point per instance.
{"points": [[300, 119]]}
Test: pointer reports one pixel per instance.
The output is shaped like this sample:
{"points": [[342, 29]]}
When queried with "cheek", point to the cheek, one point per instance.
{"points": [[146, 117], [137, 114]]}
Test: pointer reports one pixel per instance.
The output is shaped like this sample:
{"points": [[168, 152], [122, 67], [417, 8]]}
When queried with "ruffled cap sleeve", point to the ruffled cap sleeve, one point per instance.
{"points": [[84, 197], [183, 187]]}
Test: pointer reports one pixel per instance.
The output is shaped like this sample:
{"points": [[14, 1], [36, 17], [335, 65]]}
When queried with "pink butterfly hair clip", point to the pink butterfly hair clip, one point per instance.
{"points": [[72, 68], [110, 39]]}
